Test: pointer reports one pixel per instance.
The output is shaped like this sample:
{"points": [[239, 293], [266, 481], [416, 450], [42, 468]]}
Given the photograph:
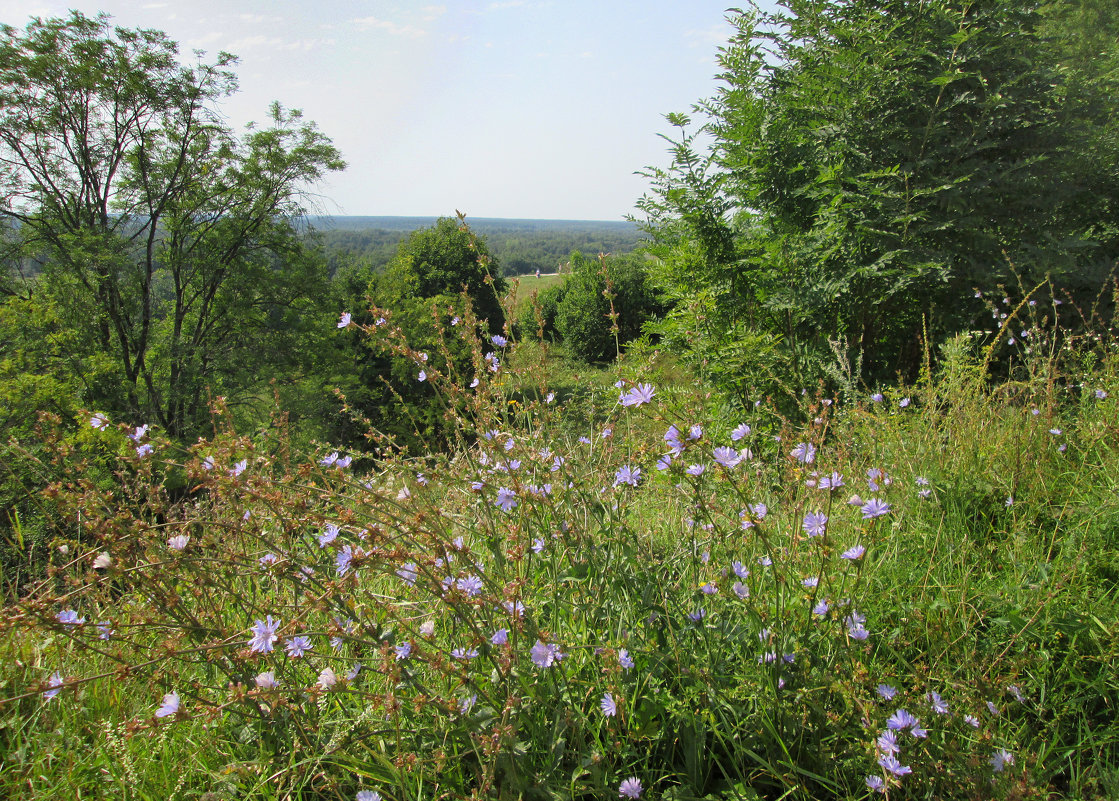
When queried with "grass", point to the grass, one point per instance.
{"points": [[503, 598]]}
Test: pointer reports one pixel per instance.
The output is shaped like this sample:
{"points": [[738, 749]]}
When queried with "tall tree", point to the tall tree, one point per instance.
{"points": [[170, 239], [872, 161]]}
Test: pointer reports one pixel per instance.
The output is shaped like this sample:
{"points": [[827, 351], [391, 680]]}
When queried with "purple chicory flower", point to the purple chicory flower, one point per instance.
{"points": [[804, 452], [297, 646], [170, 705], [544, 655], [54, 686], [815, 523], [874, 508], [630, 788], [627, 475], [344, 320], [1001, 759], [638, 395], [608, 705]]}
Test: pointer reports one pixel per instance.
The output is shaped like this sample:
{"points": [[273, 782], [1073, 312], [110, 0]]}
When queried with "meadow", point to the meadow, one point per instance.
{"points": [[611, 584]]}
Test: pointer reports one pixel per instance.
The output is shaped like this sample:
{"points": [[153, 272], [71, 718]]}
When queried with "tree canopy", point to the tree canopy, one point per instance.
{"points": [[872, 163], [167, 241]]}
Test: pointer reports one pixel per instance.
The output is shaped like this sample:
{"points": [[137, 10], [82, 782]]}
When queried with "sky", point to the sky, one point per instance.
{"points": [[538, 109]]}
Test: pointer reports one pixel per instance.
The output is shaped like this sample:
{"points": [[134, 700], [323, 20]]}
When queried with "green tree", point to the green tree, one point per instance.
{"points": [[605, 303], [169, 241], [872, 162]]}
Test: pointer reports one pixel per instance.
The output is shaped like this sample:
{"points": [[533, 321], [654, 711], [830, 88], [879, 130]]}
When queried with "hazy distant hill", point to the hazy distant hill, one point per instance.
{"points": [[520, 246]]}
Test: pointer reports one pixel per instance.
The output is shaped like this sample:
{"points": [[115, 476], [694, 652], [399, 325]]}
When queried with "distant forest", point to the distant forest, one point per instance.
{"points": [[520, 247]]}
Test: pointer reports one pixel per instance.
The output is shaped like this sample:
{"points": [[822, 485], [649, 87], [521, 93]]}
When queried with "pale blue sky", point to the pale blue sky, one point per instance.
{"points": [[521, 108]]}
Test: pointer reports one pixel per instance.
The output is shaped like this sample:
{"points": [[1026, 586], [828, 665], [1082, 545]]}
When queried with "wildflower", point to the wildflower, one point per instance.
{"points": [[372, 795], [740, 570], [902, 720], [853, 553], [664, 462], [877, 397], [545, 655], [69, 617], [297, 646], [740, 432], [1055, 432], [815, 523], [820, 609], [208, 463], [469, 585], [875, 784], [330, 533], [538, 544], [178, 542], [891, 764], [903, 402], [624, 659], [741, 590], [1100, 394], [464, 653], [1016, 693], [630, 788], [499, 340], [403, 650], [972, 721], [627, 475], [380, 321], [608, 705], [760, 510], [144, 450], [765, 561], [695, 432], [427, 628], [811, 582], [551, 396], [515, 608], [708, 588], [138, 433], [467, 703], [874, 508], [506, 499], [266, 680], [1009, 501], [102, 561], [99, 421], [474, 383], [268, 559], [344, 320], [408, 573], [695, 470], [500, 637], [492, 362], [327, 678], [239, 468], [832, 482], [697, 615], [422, 376], [642, 393], [672, 439], [170, 705], [54, 686], [1001, 759], [886, 691], [887, 742], [804, 452], [343, 559], [726, 457], [937, 704], [855, 628]]}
